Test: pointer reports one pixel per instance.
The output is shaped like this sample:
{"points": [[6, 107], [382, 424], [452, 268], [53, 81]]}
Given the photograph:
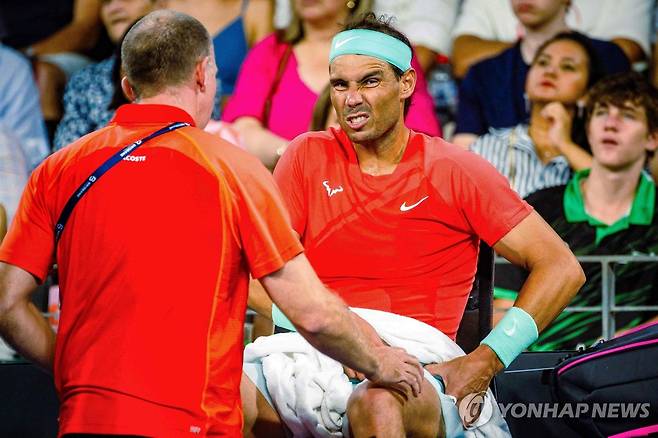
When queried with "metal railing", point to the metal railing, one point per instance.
{"points": [[608, 308]]}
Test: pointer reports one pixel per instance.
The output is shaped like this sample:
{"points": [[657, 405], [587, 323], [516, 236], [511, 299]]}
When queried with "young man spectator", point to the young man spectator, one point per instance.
{"points": [[608, 210], [392, 220], [89, 92], [131, 294], [492, 93]]}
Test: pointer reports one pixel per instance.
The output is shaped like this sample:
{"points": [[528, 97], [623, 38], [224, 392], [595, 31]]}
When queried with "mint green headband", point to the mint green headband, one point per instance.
{"points": [[371, 43]]}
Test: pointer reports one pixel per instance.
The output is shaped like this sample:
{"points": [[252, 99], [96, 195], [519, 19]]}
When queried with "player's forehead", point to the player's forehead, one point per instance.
{"points": [[355, 67]]}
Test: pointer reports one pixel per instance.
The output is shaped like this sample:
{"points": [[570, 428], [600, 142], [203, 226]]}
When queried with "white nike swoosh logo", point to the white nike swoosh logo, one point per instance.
{"points": [[340, 43], [405, 207], [509, 331]]}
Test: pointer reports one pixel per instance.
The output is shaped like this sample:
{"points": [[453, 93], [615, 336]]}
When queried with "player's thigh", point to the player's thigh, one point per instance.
{"points": [[260, 418]]}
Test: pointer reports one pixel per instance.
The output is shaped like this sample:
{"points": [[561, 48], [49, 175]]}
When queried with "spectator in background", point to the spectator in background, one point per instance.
{"points": [[492, 94], [541, 154], [427, 23], [235, 26], [20, 113], [3, 226], [13, 172], [60, 36], [283, 75], [609, 209], [89, 93], [484, 28]]}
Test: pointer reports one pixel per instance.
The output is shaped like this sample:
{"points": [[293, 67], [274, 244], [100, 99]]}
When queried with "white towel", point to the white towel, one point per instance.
{"points": [[310, 390]]}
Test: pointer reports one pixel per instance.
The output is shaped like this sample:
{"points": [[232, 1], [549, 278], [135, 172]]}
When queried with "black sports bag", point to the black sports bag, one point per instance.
{"points": [[611, 389]]}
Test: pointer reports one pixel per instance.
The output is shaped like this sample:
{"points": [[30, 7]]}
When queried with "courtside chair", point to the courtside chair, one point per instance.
{"points": [[477, 320]]}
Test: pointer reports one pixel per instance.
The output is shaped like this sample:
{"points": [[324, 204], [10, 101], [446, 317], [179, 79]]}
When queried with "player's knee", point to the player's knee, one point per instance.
{"points": [[373, 405]]}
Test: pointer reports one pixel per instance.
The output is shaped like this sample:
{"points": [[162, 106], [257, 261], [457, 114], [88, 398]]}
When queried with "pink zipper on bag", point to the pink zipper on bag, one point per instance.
{"points": [[603, 353]]}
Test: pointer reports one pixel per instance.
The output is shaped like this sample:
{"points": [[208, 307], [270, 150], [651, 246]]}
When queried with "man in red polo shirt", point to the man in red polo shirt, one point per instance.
{"points": [[154, 260]]}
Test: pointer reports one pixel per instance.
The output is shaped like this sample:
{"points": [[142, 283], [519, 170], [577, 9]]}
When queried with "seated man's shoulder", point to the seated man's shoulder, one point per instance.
{"points": [[493, 137], [317, 141]]}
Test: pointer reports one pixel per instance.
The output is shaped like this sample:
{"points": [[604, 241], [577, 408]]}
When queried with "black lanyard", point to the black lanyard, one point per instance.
{"points": [[107, 165]]}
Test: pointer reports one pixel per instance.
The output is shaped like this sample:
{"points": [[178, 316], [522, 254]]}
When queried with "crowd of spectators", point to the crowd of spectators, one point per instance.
{"points": [[523, 70]]}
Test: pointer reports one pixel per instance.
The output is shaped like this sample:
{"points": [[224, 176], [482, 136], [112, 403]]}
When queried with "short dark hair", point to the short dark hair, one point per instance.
{"points": [[382, 23], [622, 88], [161, 50]]}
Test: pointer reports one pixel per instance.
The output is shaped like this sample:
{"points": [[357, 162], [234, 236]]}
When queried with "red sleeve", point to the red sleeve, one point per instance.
{"points": [[421, 116], [29, 244], [487, 202], [288, 175], [266, 236], [254, 81]]}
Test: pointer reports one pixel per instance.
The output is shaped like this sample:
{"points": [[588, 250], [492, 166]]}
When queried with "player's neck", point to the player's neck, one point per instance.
{"points": [[608, 194], [381, 157]]}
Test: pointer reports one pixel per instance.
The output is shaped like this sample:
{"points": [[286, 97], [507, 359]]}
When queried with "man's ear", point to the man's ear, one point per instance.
{"points": [[652, 143], [128, 89], [407, 83], [200, 73]]}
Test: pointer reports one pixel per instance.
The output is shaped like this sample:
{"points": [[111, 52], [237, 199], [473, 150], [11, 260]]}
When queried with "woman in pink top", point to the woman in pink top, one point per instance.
{"points": [[283, 75]]}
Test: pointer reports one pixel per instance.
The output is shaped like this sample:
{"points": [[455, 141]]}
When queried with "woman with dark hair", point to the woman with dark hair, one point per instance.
{"points": [[282, 77], [90, 92], [544, 152]]}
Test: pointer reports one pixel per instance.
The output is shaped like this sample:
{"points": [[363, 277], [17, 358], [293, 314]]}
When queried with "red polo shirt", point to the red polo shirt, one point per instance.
{"points": [[153, 266], [407, 242]]}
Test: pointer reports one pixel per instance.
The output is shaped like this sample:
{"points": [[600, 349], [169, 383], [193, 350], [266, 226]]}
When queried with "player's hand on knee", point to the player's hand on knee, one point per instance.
{"points": [[398, 370], [465, 375]]}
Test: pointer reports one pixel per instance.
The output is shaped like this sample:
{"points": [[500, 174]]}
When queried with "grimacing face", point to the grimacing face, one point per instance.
{"points": [[559, 74], [366, 96], [619, 136]]}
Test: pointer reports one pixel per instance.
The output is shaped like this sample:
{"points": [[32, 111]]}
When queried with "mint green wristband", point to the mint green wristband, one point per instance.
{"points": [[512, 335], [280, 320]]}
